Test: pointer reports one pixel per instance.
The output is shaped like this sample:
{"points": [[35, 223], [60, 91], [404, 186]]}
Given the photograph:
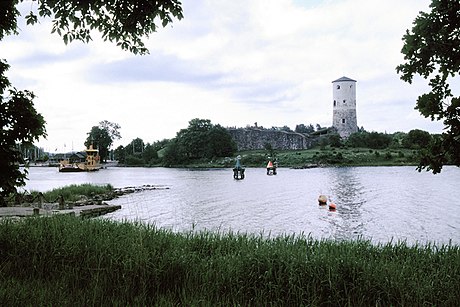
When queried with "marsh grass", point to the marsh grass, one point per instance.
{"points": [[68, 261], [74, 192]]}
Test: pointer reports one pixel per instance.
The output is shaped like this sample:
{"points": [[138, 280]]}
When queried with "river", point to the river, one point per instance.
{"points": [[381, 204]]}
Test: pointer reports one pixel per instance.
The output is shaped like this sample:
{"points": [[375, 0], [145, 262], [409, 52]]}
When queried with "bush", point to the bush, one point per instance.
{"points": [[74, 192], [134, 161], [388, 156]]}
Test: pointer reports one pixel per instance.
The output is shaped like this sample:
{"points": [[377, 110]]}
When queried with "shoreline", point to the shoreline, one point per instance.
{"points": [[86, 208]]}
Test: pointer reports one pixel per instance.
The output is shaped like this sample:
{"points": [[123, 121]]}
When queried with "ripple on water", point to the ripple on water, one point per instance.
{"points": [[378, 203]]}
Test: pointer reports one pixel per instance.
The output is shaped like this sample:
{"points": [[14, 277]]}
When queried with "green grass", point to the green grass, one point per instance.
{"points": [[332, 157], [63, 261], [327, 156], [74, 192]]}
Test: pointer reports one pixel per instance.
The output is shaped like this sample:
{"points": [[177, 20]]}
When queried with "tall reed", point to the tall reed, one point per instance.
{"points": [[64, 260]]}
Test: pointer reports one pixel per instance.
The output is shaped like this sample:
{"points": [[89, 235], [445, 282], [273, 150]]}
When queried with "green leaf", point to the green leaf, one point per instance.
{"points": [[31, 19]]}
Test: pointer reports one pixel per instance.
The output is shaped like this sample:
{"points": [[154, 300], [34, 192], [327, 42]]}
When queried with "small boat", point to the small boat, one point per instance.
{"points": [[91, 163], [65, 166]]}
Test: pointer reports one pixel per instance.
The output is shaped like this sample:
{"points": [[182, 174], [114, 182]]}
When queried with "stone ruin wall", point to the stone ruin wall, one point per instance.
{"points": [[255, 138]]}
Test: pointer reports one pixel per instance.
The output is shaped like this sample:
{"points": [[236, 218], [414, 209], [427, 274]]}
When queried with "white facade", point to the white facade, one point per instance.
{"points": [[344, 106]]}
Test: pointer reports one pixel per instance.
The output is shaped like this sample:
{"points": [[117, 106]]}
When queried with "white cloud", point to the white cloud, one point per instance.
{"points": [[233, 62]]}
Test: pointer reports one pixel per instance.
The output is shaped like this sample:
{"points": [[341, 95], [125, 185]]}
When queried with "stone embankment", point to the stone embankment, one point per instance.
{"points": [[85, 207]]}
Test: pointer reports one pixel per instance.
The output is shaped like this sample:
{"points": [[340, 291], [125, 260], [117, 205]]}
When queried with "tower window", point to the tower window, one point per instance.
{"points": [[338, 87], [344, 100], [335, 103], [343, 120]]}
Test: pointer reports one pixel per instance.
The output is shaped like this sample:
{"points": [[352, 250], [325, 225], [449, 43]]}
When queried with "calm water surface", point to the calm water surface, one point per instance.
{"points": [[376, 203]]}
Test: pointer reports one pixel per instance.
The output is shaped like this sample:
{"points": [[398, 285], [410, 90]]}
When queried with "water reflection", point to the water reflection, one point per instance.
{"points": [[346, 191]]}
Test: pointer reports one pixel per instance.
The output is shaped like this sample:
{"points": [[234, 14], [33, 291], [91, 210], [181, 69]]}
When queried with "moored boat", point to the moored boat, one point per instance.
{"points": [[91, 163]]}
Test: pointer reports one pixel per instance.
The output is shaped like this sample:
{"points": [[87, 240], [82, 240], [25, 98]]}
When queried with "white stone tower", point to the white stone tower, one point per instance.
{"points": [[344, 106]]}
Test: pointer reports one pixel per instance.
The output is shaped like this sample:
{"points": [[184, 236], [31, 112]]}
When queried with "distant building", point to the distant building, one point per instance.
{"points": [[344, 106], [72, 157]]}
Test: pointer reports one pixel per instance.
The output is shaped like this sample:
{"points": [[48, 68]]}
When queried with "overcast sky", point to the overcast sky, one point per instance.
{"points": [[234, 62]]}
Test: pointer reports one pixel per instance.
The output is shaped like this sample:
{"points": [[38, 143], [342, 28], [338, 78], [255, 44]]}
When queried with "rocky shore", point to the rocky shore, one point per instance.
{"points": [[85, 207]]}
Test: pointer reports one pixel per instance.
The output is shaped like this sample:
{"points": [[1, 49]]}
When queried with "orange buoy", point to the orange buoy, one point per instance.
{"points": [[322, 200], [332, 207]]}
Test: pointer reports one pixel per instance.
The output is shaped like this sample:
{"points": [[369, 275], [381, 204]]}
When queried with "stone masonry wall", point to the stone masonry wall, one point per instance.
{"points": [[255, 138]]}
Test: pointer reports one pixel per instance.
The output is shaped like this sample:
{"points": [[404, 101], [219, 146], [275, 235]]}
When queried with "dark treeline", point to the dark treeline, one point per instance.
{"points": [[203, 141], [415, 139]]}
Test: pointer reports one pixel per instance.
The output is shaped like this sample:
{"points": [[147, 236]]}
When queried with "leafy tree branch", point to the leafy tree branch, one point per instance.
{"points": [[432, 50]]}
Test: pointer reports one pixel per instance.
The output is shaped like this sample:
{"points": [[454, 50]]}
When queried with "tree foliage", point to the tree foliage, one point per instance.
{"points": [[120, 154], [200, 140], [431, 50], [102, 137], [374, 140], [416, 139], [124, 22], [139, 153], [21, 125], [150, 154], [301, 128]]}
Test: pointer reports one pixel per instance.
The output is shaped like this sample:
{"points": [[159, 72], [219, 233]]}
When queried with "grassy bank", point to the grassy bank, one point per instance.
{"points": [[70, 193], [318, 156], [68, 261], [75, 192], [328, 156]]}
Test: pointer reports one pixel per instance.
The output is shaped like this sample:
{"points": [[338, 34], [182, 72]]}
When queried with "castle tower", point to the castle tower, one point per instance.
{"points": [[344, 106]]}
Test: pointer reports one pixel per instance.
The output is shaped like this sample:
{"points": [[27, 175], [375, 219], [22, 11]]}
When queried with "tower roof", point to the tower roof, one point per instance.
{"points": [[344, 79]]}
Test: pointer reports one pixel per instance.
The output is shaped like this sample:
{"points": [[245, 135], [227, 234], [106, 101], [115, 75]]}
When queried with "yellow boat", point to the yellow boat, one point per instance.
{"points": [[91, 163]]}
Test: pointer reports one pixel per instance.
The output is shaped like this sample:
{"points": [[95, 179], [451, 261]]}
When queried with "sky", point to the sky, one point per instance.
{"points": [[234, 62]]}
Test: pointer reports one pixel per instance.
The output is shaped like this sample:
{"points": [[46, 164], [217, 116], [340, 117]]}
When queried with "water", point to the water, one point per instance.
{"points": [[377, 203]]}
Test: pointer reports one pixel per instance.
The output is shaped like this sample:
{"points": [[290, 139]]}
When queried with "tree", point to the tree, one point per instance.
{"points": [[21, 126], [193, 140], [271, 152], [431, 50], [124, 22], [173, 154], [377, 140], [136, 146], [301, 128], [150, 154], [102, 137], [99, 139], [120, 154], [335, 140], [220, 143], [374, 140], [111, 128], [397, 139], [357, 139], [416, 139], [200, 140]]}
